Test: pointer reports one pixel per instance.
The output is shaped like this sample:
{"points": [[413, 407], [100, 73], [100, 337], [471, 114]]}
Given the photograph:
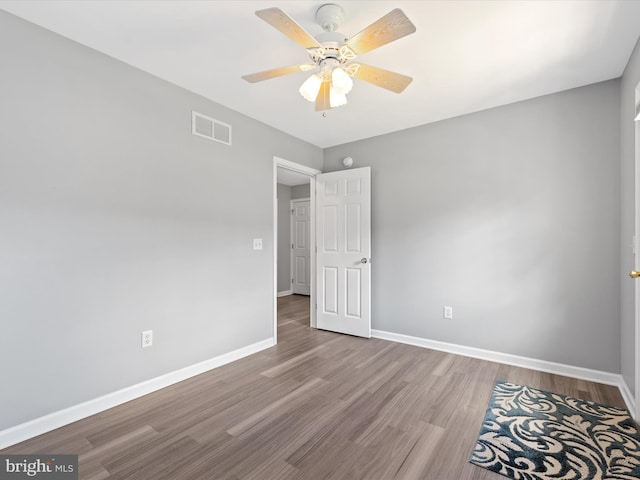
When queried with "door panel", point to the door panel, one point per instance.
{"points": [[352, 225], [343, 206], [330, 284], [300, 237], [300, 268], [354, 297], [330, 228]]}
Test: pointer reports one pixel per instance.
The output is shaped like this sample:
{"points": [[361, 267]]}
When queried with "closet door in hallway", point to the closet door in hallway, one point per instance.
{"points": [[300, 246]]}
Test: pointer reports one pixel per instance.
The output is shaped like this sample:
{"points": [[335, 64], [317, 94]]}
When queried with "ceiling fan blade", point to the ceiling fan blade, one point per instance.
{"points": [[276, 72], [287, 25], [392, 26], [383, 78], [322, 100]]}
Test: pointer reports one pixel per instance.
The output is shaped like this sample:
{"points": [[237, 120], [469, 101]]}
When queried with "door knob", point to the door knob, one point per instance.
{"points": [[634, 274], [364, 260]]}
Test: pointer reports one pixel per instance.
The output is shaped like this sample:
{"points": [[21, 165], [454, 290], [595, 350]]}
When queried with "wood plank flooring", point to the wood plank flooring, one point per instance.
{"points": [[317, 406]]}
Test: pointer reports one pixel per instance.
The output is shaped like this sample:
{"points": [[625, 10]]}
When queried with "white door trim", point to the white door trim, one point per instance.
{"points": [[311, 172], [292, 204], [636, 393]]}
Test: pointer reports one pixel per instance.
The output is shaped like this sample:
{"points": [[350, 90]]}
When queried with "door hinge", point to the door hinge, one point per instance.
{"points": [[292, 245], [292, 212]]}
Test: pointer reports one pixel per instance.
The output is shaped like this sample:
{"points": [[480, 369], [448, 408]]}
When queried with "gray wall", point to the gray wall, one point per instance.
{"points": [[115, 219], [509, 215], [300, 191], [284, 236], [628, 85]]}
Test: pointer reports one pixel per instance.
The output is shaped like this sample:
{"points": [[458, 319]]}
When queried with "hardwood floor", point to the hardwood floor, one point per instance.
{"points": [[317, 406]]}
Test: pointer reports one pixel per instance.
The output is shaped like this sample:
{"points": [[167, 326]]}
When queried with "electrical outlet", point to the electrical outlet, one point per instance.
{"points": [[447, 312], [147, 338], [257, 244]]}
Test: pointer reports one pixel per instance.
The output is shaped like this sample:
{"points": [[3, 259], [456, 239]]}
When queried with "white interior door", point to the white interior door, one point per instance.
{"points": [[300, 252], [343, 273]]}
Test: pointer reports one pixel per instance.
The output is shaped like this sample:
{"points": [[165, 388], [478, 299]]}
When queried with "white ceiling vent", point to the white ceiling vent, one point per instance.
{"points": [[210, 128]]}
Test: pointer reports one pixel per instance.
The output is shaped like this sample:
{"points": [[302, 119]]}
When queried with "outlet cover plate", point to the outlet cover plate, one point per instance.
{"points": [[147, 338], [447, 312]]}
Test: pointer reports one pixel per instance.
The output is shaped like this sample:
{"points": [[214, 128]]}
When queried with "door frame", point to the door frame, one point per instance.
{"points": [[291, 238], [636, 393], [311, 173]]}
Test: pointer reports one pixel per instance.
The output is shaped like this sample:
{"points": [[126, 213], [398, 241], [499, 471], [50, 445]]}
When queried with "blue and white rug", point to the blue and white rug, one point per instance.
{"points": [[530, 434]]}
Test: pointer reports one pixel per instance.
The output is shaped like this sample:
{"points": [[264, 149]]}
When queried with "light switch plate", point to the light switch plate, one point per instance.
{"points": [[257, 244]]}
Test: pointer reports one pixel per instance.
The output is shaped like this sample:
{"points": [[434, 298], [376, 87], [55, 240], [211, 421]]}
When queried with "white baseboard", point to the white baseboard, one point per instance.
{"points": [[38, 426], [518, 361], [285, 293], [625, 391]]}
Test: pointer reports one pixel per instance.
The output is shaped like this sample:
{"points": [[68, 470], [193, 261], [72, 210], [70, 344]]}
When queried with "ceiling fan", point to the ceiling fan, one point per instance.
{"points": [[333, 55]]}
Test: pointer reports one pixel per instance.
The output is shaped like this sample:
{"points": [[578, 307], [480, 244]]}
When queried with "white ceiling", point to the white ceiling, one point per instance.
{"points": [[465, 55]]}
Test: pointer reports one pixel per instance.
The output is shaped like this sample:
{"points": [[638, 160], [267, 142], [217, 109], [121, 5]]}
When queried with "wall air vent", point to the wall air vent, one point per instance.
{"points": [[210, 128]]}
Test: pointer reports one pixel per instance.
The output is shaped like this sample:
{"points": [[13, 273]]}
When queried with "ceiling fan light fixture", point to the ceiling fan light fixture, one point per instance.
{"points": [[332, 54], [310, 88], [341, 81], [336, 99]]}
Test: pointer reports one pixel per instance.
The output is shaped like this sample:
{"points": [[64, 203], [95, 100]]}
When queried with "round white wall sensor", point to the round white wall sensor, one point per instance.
{"points": [[347, 162]]}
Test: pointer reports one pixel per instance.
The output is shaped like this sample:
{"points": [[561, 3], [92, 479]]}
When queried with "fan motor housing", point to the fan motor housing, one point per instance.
{"points": [[335, 37]]}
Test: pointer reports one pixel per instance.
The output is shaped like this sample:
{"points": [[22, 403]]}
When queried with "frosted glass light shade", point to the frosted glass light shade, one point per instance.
{"points": [[336, 99], [310, 88], [341, 81]]}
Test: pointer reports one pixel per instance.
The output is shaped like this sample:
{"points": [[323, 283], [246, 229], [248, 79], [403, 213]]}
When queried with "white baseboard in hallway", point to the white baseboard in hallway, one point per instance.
{"points": [[285, 293]]}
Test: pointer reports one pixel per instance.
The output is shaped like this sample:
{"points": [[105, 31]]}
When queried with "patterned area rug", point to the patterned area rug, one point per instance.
{"points": [[531, 434]]}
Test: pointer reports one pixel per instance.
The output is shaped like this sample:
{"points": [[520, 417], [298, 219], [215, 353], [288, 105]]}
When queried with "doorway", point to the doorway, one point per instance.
{"points": [[291, 181], [300, 228]]}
